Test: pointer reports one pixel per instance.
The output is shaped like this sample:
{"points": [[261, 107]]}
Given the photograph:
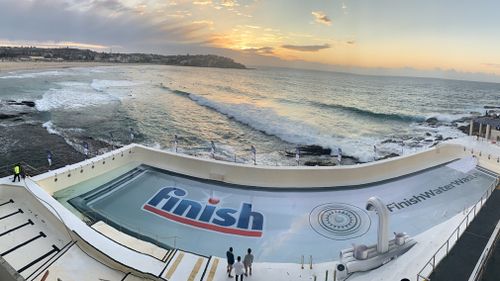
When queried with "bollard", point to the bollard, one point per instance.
{"points": [[302, 262], [212, 149], [326, 275], [335, 274], [254, 154], [297, 155], [310, 262]]}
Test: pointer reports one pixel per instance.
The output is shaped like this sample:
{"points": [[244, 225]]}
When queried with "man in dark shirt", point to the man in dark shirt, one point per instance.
{"points": [[230, 261]]}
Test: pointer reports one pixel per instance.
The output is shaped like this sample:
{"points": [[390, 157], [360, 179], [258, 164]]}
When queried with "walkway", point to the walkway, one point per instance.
{"points": [[460, 262]]}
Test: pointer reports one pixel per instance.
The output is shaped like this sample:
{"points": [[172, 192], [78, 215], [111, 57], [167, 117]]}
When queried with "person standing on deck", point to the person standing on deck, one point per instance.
{"points": [[17, 172], [131, 135], [49, 158], [238, 269], [230, 261], [339, 155], [86, 150], [247, 262]]}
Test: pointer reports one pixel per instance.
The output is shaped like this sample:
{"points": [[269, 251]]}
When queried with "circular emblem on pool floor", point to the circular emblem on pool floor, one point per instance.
{"points": [[339, 221]]}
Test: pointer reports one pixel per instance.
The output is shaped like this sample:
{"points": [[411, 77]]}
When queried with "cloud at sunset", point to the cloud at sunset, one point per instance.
{"points": [[306, 48], [320, 17], [342, 34]]}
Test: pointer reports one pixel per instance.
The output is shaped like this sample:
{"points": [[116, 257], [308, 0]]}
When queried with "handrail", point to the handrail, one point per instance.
{"points": [[456, 232]]}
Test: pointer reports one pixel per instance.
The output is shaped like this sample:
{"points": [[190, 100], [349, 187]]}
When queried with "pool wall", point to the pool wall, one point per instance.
{"points": [[265, 176], [239, 174]]}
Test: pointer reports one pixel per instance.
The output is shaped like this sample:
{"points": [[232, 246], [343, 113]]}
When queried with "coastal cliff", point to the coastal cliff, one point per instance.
{"points": [[81, 55]]}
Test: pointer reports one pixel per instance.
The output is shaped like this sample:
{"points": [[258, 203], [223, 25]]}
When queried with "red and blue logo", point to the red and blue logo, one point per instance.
{"points": [[170, 203]]}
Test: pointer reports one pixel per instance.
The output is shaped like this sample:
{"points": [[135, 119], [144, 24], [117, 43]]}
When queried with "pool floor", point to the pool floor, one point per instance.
{"points": [[208, 217]]}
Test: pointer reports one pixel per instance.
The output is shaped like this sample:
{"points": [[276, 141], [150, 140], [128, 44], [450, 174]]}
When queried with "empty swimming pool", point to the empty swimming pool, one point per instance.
{"points": [[280, 225]]}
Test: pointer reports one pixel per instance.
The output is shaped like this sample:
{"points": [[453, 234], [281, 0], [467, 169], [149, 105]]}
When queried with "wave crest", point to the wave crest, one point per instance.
{"points": [[371, 114]]}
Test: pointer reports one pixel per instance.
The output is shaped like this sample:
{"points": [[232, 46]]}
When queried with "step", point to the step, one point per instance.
{"points": [[130, 241], [186, 266], [211, 269]]}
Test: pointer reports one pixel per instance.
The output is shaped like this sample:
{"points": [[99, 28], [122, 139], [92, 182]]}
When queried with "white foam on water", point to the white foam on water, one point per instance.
{"points": [[448, 118], [49, 126], [102, 85], [293, 131], [72, 95], [17, 75]]}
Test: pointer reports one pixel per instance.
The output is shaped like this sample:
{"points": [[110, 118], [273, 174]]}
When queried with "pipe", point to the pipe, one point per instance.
{"points": [[375, 204]]}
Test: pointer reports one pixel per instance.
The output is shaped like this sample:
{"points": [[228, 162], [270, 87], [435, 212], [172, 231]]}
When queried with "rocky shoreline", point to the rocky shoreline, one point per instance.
{"points": [[25, 139]]}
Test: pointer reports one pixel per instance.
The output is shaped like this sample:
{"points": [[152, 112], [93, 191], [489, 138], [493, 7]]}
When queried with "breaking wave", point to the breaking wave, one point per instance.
{"points": [[269, 122], [371, 114]]}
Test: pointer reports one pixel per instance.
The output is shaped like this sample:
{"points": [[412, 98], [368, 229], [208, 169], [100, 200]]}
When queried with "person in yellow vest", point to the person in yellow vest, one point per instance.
{"points": [[17, 172]]}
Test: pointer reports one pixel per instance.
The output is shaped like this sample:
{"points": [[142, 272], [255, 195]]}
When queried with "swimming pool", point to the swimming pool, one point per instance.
{"points": [[279, 225]]}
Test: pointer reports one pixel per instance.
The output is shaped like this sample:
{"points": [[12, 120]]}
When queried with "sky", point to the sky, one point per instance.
{"points": [[457, 39]]}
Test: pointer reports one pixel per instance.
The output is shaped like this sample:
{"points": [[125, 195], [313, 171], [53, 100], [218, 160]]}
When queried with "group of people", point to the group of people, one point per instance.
{"points": [[240, 268]]}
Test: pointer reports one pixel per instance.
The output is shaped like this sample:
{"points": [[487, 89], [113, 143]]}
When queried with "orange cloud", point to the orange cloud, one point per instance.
{"points": [[321, 17]]}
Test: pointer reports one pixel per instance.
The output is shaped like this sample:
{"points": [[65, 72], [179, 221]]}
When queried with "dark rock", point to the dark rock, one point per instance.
{"points": [[428, 134], [7, 116], [310, 150], [432, 121], [319, 163], [392, 155], [464, 129], [391, 141], [439, 137], [28, 103]]}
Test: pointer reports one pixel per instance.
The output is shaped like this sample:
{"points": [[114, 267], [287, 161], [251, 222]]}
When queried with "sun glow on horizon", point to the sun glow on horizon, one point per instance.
{"points": [[387, 34]]}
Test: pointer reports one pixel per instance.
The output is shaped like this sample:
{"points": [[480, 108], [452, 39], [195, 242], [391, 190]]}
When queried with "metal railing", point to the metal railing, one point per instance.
{"points": [[7, 170], [444, 250]]}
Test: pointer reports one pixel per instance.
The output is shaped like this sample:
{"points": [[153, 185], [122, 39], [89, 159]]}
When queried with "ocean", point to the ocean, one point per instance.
{"points": [[273, 109]]}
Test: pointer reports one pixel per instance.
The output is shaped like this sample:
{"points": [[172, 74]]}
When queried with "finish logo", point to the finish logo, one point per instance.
{"points": [[169, 203]]}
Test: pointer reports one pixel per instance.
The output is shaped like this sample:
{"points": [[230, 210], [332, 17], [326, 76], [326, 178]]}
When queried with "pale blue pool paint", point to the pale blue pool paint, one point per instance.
{"points": [[318, 222]]}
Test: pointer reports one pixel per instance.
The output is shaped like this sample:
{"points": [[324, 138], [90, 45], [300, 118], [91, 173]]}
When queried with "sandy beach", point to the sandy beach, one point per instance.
{"points": [[7, 66]]}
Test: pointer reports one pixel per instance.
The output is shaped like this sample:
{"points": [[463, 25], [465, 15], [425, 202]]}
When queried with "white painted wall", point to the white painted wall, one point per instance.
{"points": [[244, 174]]}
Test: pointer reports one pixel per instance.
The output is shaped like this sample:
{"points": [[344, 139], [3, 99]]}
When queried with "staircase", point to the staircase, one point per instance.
{"points": [[27, 242]]}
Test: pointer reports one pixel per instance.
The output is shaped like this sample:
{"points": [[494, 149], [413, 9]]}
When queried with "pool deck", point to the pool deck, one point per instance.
{"points": [[85, 252]]}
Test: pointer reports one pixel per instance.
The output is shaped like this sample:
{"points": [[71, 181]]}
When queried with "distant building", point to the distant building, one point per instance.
{"points": [[489, 127]]}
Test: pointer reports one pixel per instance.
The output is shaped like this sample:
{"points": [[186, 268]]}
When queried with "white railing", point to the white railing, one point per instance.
{"points": [[443, 251]]}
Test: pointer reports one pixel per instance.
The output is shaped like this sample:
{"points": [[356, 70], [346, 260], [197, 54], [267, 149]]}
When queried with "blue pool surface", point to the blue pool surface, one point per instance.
{"points": [[207, 217]]}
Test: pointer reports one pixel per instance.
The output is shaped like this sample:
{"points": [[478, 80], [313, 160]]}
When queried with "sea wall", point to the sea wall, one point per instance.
{"points": [[244, 174]]}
